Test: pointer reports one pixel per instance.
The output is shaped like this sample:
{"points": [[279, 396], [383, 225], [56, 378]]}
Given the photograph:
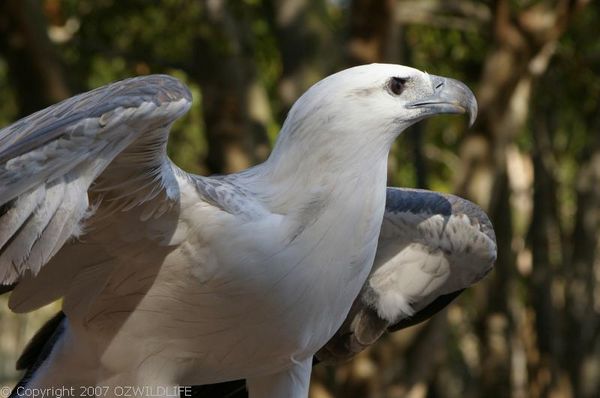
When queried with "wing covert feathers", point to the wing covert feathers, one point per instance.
{"points": [[49, 160]]}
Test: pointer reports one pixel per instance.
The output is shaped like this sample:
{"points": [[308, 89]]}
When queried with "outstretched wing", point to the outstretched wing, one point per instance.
{"points": [[107, 143], [431, 247]]}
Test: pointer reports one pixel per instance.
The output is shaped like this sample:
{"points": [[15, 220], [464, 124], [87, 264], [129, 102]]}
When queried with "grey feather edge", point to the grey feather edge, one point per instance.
{"points": [[46, 125]]}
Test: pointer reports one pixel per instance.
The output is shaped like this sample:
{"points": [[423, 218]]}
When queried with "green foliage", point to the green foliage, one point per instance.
{"points": [[119, 39]]}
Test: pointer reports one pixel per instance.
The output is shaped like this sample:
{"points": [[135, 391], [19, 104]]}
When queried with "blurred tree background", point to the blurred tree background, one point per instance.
{"points": [[532, 161]]}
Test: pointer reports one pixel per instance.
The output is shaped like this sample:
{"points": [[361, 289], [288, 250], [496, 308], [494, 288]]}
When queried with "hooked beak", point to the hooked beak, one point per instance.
{"points": [[449, 96]]}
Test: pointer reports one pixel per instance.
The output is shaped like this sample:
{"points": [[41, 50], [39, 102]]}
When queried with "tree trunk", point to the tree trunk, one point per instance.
{"points": [[306, 44], [234, 102], [34, 69], [370, 24]]}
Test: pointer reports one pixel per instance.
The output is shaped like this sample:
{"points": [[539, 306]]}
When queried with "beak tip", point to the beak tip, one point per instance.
{"points": [[472, 118], [449, 96], [457, 93], [472, 111]]}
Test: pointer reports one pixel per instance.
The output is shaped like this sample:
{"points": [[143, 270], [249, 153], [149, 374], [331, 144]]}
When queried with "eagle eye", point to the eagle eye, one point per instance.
{"points": [[396, 85]]}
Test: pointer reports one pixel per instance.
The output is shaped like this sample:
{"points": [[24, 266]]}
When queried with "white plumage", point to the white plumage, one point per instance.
{"points": [[180, 279]]}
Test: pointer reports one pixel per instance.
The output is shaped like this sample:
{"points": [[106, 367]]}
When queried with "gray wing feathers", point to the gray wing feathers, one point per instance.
{"points": [[49, 160], [33, 231], [48, 124], [427, 203], [431, 247], [17, 212]]}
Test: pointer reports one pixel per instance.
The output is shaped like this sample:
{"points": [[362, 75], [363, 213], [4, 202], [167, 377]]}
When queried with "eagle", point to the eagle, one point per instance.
{"points": [[173, 279]]}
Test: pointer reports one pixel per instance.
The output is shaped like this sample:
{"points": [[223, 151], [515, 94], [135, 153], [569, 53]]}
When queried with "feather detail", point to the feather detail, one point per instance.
{"points": [[18, 212], [113, 137], [14, 256]]}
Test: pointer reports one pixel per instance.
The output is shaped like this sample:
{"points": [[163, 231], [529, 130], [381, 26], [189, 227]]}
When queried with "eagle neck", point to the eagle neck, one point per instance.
{"points": [[299, 174]]}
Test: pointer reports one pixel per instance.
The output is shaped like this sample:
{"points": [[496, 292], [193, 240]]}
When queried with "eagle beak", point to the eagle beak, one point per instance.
{"points": [[449, 96]]}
